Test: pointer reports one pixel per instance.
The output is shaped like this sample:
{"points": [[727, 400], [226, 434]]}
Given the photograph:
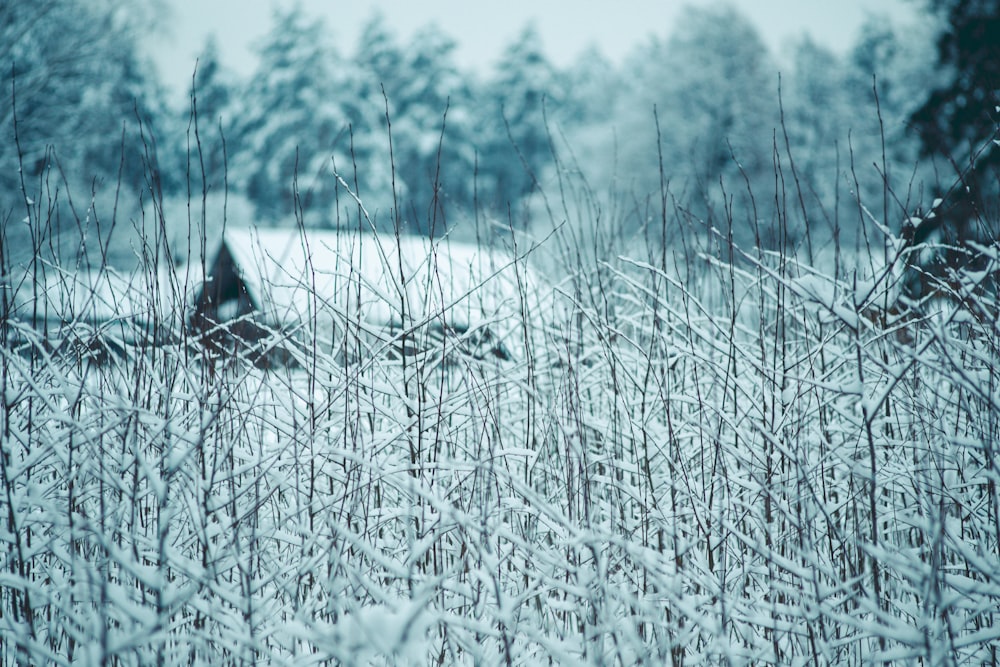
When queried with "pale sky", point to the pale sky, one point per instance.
{"points": [[482, 29]]}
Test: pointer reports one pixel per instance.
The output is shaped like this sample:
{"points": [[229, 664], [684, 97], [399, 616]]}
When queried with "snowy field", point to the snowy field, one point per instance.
{"points": [[684, 358], [735, 464]]}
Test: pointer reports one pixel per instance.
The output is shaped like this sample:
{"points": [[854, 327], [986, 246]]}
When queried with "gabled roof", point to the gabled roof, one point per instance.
{"points": [[290, 274], [100, 305], [99, 296]]}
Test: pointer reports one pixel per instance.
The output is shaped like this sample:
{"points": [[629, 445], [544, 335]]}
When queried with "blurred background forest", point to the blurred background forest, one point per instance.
{"points": [[698, 120]]}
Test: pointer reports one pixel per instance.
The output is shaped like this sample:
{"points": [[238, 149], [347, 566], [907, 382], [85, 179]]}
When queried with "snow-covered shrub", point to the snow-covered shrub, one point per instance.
{"points": [[740, 458]]}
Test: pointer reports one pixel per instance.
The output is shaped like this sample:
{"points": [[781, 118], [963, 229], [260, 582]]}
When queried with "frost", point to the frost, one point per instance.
{"points": [[695, 463]]}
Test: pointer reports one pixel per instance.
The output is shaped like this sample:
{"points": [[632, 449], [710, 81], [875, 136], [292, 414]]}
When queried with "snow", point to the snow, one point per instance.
{"points": [[326, 279], [114, 308], [665, 494]]}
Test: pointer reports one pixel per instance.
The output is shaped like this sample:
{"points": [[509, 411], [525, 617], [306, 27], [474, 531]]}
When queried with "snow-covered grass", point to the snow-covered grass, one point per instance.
{"points": [[712, 461]]}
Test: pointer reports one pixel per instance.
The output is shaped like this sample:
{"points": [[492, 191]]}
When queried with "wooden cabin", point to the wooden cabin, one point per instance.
{"points": [[94, 315], [354, 292]]}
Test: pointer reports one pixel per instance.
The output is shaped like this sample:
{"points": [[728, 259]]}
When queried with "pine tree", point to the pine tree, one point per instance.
{"points": [[290, 125], [525, 88], [212, 97], [376, 70], [435, 154], [73, 77], [959, 118], [87, 108], [713, 85]]}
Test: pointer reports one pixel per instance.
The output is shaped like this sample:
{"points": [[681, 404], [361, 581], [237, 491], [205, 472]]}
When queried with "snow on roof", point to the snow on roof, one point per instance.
{"points": [[96, 296], [292, 275]]}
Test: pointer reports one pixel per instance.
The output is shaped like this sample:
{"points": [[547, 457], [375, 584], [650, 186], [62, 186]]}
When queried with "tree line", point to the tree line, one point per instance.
{"points": [[703, 116]]}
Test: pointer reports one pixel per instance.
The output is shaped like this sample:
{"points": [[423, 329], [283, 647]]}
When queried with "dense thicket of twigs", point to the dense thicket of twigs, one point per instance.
{"points": [[701, 454], [696, 452]]}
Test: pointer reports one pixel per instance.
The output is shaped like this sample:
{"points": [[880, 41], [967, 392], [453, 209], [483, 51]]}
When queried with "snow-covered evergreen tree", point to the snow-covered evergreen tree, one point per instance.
{"points": [[713, 85], [78, 90], [72, 76], [290, 124], [435, 153], [212, 96], [524, 89], [375, 71]]}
